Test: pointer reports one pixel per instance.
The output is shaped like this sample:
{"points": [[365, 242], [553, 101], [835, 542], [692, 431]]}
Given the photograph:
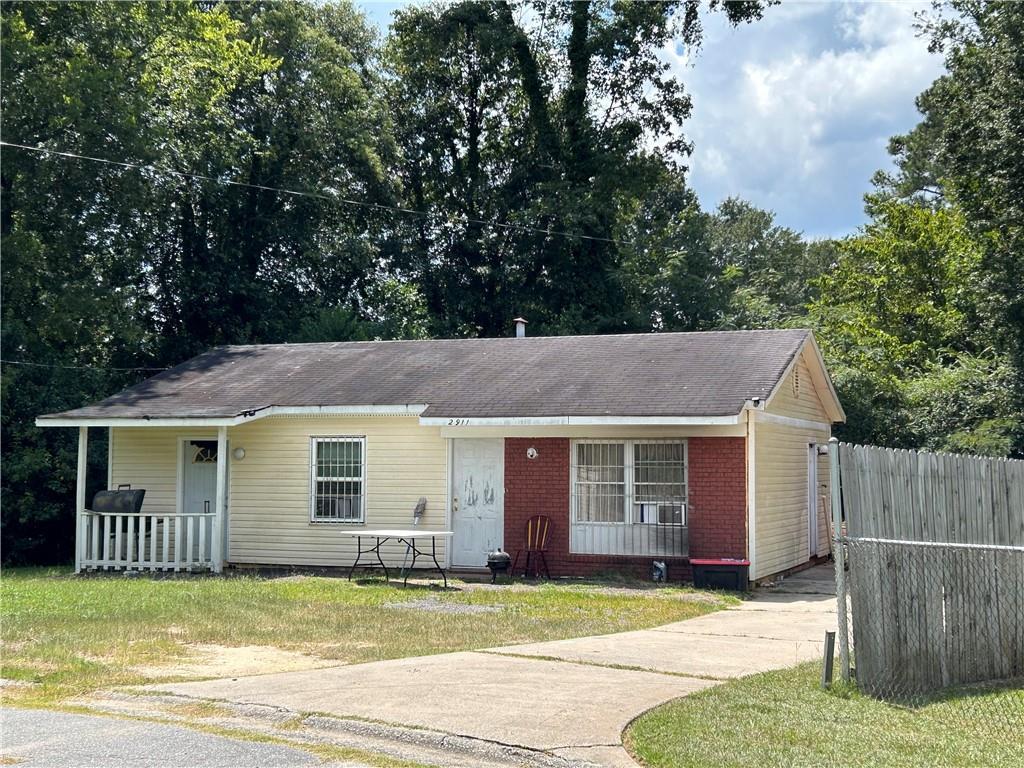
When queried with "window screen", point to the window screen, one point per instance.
{"points": [[338, 479]]}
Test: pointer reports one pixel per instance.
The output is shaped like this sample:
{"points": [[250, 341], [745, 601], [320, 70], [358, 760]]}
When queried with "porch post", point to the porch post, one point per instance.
{"points": [[83, 457], [218, 518]]}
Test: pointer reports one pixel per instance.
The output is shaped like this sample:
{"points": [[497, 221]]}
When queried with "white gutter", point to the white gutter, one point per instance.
{"points": [[571, 421], [233, 421]]}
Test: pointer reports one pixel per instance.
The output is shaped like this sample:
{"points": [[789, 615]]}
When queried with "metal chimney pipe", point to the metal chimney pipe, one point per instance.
{"points": [[520, 327]]}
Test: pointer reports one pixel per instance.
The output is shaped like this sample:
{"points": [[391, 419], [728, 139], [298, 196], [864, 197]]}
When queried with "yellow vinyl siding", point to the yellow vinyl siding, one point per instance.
{"points": [[781, 493], [147, 457], [781, 496], [798, 404], [269, 516]]}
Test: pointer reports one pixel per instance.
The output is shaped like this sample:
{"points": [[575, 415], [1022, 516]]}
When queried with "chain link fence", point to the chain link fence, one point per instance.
{"points": [[929, 551], [939, 628]]}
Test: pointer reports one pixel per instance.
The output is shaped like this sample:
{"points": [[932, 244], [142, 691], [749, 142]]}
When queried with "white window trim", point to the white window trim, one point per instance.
{"points": [[313, 519], [629, 477]]}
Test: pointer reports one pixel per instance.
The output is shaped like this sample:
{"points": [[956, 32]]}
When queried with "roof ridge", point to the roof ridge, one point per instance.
{"points": [[644, 334]]}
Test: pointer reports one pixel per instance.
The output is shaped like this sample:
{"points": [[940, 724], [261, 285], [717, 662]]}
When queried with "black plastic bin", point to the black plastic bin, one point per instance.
{"points": [[721, 573]]}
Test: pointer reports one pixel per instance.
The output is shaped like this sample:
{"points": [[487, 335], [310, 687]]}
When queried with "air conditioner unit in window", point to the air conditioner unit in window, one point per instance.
{"points": [[661, 512]]}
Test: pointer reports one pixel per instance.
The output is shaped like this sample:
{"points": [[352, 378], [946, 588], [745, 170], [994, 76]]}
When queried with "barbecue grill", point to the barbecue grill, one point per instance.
{"points": [[498, 561], [124, 501]]}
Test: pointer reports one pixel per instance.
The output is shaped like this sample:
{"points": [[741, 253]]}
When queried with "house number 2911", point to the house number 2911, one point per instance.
{"points": [[458, 422]]}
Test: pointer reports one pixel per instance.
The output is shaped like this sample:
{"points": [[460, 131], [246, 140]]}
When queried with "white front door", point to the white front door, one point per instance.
{"points": [[199, 488], [199, 476], [478, 500]]}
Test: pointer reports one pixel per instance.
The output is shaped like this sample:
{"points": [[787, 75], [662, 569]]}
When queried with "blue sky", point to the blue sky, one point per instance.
{"points": [[794, 112]]}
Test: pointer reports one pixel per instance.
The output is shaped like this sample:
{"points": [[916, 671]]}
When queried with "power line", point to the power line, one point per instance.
{"points": [[306, 193], [78, 367]]}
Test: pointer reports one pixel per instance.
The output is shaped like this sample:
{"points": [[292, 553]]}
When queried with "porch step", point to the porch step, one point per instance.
{"points": [[400, 742]]}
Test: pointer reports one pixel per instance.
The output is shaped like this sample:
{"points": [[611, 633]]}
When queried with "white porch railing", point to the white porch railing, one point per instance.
{"points": [[146, 542]]}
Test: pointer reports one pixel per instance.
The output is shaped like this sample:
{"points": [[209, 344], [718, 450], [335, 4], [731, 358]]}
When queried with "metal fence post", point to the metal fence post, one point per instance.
{"points": [[839, 556]]}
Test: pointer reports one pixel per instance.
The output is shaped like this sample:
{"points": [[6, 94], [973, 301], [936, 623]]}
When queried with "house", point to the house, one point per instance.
{"points": [[639, 447]]}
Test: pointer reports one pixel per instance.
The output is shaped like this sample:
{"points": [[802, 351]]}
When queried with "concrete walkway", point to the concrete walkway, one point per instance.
{"points": [[570, 698]]}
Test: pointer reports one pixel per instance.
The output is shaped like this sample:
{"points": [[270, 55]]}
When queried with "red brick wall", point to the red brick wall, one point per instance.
{"points": [[718, 496], [717, 513]]}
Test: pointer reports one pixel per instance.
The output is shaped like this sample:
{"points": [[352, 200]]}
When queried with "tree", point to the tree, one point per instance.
{"points": [[670, 276], [979, 104], [546, 117], [74, 295], [108, 268], [769, 272], [903, 321], [968, 152], [239, 264]]}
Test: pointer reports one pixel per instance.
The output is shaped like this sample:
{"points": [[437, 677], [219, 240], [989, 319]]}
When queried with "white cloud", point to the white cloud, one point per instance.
{"points": [[793, 112]]}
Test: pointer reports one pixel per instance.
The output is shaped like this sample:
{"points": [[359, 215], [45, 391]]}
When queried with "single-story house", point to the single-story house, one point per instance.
{"points": [[638, 447]]}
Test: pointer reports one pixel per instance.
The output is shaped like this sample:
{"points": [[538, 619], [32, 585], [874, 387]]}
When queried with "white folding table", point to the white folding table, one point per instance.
{"points": [[407, 536]]}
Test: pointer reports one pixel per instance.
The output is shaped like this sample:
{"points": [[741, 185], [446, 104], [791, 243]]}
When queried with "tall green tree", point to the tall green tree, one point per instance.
{"points": [[978, 110], [902, 320], [547, 116], [74, 252], [106, 267]]}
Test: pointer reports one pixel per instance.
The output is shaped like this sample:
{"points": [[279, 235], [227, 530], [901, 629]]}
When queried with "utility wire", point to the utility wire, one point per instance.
{"points": [[305, 193], [77, 367]]}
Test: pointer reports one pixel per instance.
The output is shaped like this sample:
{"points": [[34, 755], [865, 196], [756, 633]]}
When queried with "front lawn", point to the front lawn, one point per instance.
{"points": [[63, 636], [784, 719]]}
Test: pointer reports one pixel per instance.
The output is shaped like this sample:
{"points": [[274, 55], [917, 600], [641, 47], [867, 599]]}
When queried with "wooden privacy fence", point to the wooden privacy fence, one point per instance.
{"points": [[940, 497], [936, 567]]}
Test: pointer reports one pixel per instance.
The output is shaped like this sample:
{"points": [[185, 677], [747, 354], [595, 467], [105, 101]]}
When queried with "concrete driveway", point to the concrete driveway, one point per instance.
{"points": [[570, 698]]}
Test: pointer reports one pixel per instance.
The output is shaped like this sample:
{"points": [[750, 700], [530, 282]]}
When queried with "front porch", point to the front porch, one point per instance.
{"points": [[188, 539]]}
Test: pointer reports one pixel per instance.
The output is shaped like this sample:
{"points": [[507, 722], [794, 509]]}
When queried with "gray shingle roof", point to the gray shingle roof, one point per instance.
{"points": [[666, 374]]}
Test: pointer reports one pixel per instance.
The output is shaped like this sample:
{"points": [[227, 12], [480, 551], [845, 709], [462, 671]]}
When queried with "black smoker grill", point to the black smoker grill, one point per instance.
{"points": [[123, 501]]}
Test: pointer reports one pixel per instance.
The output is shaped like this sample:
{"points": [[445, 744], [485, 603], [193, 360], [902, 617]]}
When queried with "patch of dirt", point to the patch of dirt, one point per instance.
{"points": [[207, 660], [640, 589], [434, 605], [7, 683]]}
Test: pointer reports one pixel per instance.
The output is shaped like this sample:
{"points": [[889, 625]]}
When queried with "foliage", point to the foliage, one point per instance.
{"points": [[979, 106], [108, 267], [904, 293], [965, 407], [544, 118], [903, 319], [686, 269]]}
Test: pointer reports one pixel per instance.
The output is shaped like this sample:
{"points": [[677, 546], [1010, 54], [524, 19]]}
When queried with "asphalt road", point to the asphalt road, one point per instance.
{"points": [[30, 738]]}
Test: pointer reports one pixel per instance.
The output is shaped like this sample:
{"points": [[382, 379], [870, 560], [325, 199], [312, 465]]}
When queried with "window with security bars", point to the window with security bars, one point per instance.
{"points": [[600, 482], [338, 479], [659, 483], [631, 482]]}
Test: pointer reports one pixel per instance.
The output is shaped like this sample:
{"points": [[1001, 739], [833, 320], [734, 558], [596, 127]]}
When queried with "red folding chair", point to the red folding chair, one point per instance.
{"points": [[538, 529]]}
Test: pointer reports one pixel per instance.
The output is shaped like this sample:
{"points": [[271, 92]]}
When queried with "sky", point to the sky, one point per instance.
{"points": [[794, 111]]}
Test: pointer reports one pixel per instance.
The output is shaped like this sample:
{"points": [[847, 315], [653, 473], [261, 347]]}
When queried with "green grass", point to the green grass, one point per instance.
{"points": [[784, 719], [69, 635]]}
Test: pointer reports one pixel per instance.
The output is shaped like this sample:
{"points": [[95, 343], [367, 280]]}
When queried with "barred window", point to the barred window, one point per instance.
{"points": [[630, 481], [337, 479], [600, 482]]}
